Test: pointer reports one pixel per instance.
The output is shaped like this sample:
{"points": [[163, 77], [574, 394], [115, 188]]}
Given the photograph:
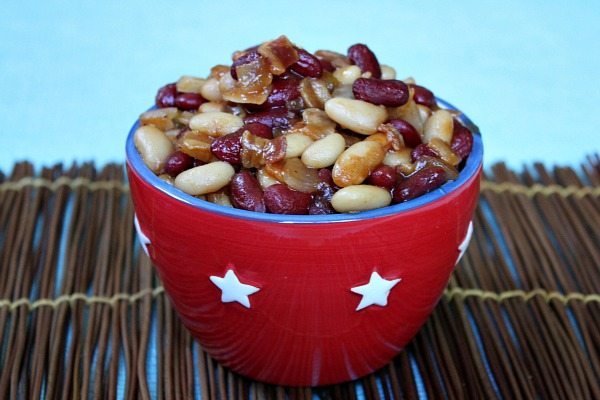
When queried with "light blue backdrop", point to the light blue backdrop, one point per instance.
{"points": [[75, 75]]}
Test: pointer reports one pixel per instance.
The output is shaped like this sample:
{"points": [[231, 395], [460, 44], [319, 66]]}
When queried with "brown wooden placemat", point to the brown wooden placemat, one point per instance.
{"points": [[82, 314]]}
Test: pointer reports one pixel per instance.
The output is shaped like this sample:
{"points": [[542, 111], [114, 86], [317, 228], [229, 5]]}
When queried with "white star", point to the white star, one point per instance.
{"points": [[375, 292], [462, 248], [233, 290], [144, 241]]}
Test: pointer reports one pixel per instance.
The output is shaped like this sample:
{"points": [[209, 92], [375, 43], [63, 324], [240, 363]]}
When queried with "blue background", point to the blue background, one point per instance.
{"points": [[75, 75]]}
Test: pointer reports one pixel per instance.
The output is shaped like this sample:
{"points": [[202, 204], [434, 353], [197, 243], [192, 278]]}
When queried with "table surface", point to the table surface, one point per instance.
{"points": [[83, 315], [74, 76]]}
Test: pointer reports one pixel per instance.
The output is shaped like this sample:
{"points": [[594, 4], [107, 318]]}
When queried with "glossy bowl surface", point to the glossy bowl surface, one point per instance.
{"points": [[304, 300]]}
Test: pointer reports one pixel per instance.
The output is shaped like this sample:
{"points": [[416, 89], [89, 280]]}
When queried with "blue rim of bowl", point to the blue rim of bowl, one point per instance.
{"points": [[469, 170]]}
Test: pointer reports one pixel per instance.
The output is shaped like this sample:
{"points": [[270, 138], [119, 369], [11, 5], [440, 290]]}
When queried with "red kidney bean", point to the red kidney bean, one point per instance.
{"points": [[419, 183], [258, 129], [248, 57], [307, 65], [320, 206], [422, 150], [389, 93], [280, 199], [165, 97], [362, 56], [197, 163], [462, 140], [326, 190], [383, 176], [326, 65], [326, 176], [423, 96], [189, 101], [274, 118], [246, 192], [177, 163], [282, 92], [228, 147], [408, 132]]}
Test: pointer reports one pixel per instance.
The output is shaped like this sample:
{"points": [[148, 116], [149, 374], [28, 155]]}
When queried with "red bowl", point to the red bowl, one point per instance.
{"points": [[303, 300]]}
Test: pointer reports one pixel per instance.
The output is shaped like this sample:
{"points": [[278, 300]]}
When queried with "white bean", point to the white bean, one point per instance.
{"points": [[216, 123], [409, 112], [356, 115], [212, 106], [360, 198], [210, 90], [296, 143], [439, 125], [388, 72], [219, 198], [190, 84], [153, 145], [396, 158], [344, 91], [347, 75], [205, 179], [356, 163], [324, 152]]}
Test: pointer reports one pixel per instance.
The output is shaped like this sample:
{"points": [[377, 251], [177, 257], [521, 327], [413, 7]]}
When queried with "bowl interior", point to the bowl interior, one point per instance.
{"points": [[471, 167]]}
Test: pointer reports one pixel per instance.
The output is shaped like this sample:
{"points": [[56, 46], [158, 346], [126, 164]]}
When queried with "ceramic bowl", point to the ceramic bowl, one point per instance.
{"points": [[304, 300]]}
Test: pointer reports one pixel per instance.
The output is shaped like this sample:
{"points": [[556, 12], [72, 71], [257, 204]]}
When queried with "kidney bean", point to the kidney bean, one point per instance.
{"points": [[282, 92], [462, 140], [389, 93], [228, 147], [258, 129], [248, 57], [177, 163], [420, 151], [188, 101], [280, 199], [165, 97], [307, 65], [383, 176], [320, 206], [419, 183], [423, 96], [362, 56], [274, 118], [326, 176], [409, 133], [246, 192], [326, 65], [326, 189]]}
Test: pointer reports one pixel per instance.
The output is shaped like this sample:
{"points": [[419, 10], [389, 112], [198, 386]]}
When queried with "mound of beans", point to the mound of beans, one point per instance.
{"points": [[285, 131]]}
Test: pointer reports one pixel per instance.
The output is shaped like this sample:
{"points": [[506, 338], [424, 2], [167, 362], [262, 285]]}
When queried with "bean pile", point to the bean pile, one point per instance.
{"points": [[285, 131]]}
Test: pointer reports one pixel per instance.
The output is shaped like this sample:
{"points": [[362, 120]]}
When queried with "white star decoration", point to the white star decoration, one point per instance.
{"points": [[375, 292], [144, 241], [234, 290], [462, 248]]}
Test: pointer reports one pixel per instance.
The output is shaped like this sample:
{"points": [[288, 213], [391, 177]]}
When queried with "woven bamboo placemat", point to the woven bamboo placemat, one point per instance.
{"points": [[82, 314]]}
